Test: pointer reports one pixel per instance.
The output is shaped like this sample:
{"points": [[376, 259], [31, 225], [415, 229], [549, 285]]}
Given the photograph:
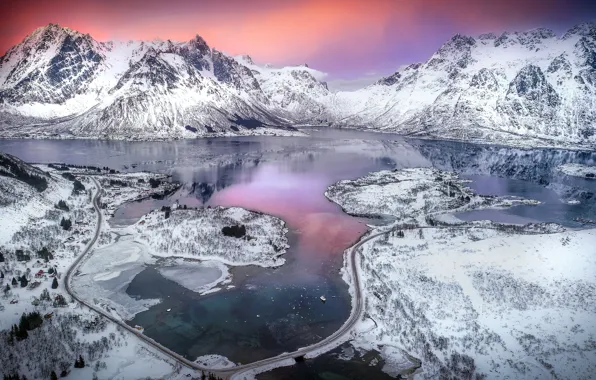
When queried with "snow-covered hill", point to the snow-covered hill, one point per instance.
{"points": [[60, 83], [496, 88], [522, 88], [470, 300]]}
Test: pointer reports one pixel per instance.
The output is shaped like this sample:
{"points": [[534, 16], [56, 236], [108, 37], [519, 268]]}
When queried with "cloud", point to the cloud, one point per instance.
{"points": [[336, 85]]}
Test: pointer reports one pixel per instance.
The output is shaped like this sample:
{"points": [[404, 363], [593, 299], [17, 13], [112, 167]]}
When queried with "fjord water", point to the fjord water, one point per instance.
{"points": [[272, 310]]}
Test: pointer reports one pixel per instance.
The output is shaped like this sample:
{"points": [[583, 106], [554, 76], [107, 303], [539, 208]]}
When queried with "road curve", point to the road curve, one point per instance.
{"points": [[74, 295], [327, 344], [332, 340]]}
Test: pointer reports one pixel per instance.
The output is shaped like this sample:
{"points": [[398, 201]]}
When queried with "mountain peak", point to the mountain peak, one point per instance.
{"points": [[248, 59], [458, 42], [199, 42], [585, 29], [52, 29]]}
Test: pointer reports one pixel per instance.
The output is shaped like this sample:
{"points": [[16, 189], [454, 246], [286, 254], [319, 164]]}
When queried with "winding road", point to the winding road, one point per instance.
{"points": [[243, 371], [236, 372]]}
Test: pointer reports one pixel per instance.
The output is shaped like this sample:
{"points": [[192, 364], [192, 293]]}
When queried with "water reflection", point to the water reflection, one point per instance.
{"points": [[276, 310]]}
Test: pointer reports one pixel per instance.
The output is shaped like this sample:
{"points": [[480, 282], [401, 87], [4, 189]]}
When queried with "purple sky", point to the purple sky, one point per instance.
{"points": [[353, 40]]}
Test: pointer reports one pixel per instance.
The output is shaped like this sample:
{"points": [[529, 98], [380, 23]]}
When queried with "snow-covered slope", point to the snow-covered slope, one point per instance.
{"points": [[497, 88], [59, 82], [530, 88], [296, 92], [470, 300]]}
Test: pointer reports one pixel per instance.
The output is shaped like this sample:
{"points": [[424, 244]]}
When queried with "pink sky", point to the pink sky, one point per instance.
{"points": [[347, 38]]}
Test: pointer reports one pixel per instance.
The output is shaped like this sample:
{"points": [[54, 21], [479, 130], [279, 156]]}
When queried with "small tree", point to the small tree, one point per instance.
{"points": [[54, 283], [78, 187], [24, 281], [65, 224], [45, 253], [20, 332], [62, 205], [80, 362], [6, 289], [59, 301], [14, 282], [45, 295], [53, 376]]}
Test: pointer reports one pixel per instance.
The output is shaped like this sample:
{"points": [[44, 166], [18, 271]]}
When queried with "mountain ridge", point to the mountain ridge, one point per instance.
{"points": [[61, 83], [490, 88]]}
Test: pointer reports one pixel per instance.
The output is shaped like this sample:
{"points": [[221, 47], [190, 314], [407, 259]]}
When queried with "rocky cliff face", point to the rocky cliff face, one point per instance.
{"points": [[526, 88], [61, 83], [491, 88]]}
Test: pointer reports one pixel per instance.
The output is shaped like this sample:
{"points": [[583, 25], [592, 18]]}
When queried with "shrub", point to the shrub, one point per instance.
{"points": [[78, 187], [62, 206], [234, 231], [66, 224]]}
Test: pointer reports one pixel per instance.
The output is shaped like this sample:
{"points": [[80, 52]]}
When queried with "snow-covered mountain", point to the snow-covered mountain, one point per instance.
{"points": [[513, 86], [529, 87], [59, 82]]}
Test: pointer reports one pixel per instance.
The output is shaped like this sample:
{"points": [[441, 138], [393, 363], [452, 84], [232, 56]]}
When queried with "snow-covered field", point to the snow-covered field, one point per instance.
{"points": [[472, 298], [578, 170]]}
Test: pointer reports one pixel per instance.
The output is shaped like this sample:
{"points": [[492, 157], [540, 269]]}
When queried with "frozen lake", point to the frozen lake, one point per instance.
{"points": [[269, 311]]}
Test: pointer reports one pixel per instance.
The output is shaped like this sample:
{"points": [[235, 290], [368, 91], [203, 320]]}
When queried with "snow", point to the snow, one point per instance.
{"points": [[214, 361], [466, 298], [198, 234], [199, 277], [578, 170], [27, 204], [102, 279], [109, 351]]}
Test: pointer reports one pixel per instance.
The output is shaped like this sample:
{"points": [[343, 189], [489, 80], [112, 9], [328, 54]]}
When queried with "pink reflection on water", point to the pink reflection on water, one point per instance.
{"points": [[297, 198]]}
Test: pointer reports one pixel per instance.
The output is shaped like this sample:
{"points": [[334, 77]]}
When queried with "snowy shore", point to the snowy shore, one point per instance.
{"points": [[31, 221], [190, 246], [470, 299], [577, 170]]}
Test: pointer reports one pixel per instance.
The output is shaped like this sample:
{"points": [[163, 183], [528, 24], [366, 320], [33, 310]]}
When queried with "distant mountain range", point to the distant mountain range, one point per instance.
{"points": [[524, 87]]}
